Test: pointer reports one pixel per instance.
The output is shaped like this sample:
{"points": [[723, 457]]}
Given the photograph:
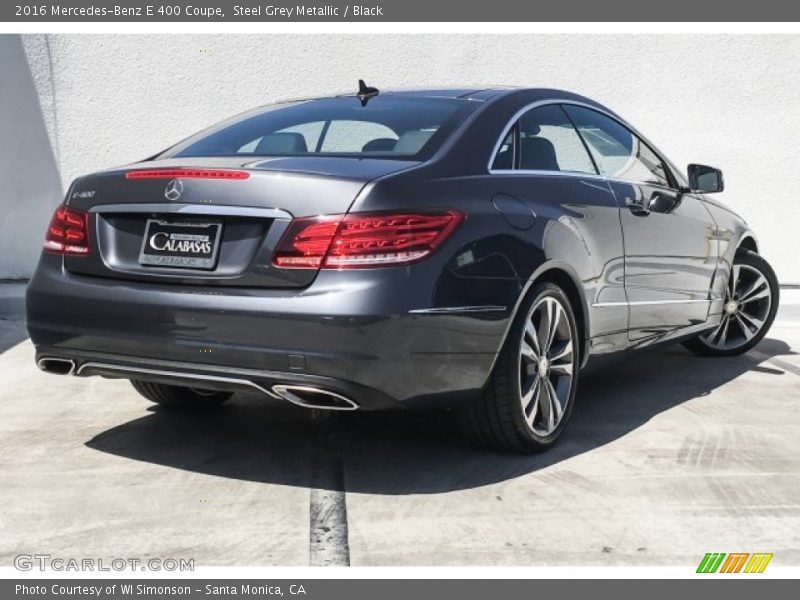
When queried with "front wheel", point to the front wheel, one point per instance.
{"points": [[751, 301], [531, 392]]}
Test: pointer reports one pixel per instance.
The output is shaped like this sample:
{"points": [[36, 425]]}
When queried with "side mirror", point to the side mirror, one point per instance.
{"points": [[704, 179]]}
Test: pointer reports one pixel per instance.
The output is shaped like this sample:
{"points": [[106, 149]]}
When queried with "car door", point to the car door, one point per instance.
{"points": [[543, 163], [670, 252]]}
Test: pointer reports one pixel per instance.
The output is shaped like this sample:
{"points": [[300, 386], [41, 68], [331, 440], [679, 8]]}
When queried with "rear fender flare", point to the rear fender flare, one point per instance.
{"points": [[582, 310]]}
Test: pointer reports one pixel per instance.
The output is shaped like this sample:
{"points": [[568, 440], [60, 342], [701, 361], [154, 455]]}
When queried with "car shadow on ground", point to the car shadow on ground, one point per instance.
{"points": [[257, 439]]}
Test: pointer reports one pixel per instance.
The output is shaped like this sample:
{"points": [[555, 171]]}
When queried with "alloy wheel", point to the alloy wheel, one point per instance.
{"points": [[546, 365], [748, 300]]}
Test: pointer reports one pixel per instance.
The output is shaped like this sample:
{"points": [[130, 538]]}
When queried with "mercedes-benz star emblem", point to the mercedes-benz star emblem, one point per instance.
{"points": [[174, 190]]}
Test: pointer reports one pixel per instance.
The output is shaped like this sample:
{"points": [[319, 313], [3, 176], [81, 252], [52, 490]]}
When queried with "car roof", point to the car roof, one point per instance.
{"points": [[477, 93], [460, 93]]}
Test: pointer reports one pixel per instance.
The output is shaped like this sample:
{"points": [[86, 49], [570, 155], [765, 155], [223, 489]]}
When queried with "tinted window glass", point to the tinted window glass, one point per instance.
{"points": [[354, 136], [618, 152], [549, 142], [310, 131], [504, 159], [546, 141], [387, 127]]}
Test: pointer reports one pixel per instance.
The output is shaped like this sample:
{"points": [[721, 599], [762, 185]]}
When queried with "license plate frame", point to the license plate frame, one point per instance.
{"points": [[180, 234]]}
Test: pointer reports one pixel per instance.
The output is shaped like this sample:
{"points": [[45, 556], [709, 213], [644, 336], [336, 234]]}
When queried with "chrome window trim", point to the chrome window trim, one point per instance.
{"points": [[513, 121], [539, 103], [575, 174]]}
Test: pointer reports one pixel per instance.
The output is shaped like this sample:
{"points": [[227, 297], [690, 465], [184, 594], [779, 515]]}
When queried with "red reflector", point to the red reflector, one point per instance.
{"points": [[68, 232], [187, 174], [363, 240]]}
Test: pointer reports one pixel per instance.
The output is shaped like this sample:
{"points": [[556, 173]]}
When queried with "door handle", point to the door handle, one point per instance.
{"points": [[664, 202], [638, 209]]}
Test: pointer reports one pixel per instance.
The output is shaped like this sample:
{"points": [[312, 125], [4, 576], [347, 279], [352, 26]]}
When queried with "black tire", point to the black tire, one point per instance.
{"points": [[497, 420], [173, 396], [699, 345]]}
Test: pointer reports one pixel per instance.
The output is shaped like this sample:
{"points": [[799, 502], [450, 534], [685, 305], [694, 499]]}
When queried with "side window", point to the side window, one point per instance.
{"points": [[548, 142], [504, 159], [618, 152]]}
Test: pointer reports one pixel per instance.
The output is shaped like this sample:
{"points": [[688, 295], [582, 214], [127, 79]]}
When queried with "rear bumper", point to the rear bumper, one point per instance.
{"points": [[353, 333], [338, 395]]}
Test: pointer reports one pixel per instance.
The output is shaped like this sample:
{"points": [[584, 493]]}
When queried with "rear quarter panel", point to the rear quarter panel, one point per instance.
{"points": [[514, 229]]}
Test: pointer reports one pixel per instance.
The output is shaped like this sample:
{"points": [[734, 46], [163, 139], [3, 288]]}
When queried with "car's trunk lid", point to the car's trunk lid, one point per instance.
{"points": [[216, 224]]}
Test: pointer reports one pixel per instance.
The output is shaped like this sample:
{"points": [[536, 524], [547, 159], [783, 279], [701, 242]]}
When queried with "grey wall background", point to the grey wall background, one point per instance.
{"points": [[76, 103], [29, 180]]}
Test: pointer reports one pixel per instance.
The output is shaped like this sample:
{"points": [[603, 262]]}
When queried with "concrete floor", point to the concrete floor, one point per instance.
{"points": [[667, 457]]}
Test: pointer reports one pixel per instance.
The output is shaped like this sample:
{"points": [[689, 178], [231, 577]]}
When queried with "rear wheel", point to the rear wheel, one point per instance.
{"points": [[751, 301], [173, 396], [530, 395]]}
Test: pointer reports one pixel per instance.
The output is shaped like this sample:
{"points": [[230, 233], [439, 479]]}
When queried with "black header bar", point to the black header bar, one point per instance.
{"points": [[371, 11]]}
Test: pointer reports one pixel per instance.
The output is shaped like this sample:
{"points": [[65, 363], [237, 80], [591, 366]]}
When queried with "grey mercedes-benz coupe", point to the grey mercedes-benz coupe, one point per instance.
{"points": [[469, 249]]}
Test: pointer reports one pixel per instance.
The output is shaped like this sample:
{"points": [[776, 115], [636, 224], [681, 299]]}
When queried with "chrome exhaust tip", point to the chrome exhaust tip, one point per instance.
{"points": [[56, 366], [311, 397]]}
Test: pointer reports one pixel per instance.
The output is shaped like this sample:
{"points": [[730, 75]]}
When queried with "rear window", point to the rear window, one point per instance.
{"points": [[402, 127]]}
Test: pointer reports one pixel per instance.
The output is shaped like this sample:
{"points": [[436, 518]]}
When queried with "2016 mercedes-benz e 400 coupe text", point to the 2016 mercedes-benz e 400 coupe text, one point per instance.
{"points": [[469, 249]]}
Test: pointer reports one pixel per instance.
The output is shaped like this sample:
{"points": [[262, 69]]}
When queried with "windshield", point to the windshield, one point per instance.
{"points": [[402, 127]]}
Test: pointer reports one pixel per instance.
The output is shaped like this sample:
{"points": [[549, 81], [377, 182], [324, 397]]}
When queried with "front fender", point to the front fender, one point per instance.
{"points": [[732, 233]]}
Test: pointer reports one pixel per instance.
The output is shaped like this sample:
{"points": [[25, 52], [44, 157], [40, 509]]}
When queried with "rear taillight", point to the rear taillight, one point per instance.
{"points": [[363, 240], [68, 232], [305, 243]]}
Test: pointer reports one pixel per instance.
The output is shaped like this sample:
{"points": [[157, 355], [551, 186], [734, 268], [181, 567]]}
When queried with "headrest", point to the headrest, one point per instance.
{"points": [[379, 145], [412, 142], [282, 143], [538, 154]]}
